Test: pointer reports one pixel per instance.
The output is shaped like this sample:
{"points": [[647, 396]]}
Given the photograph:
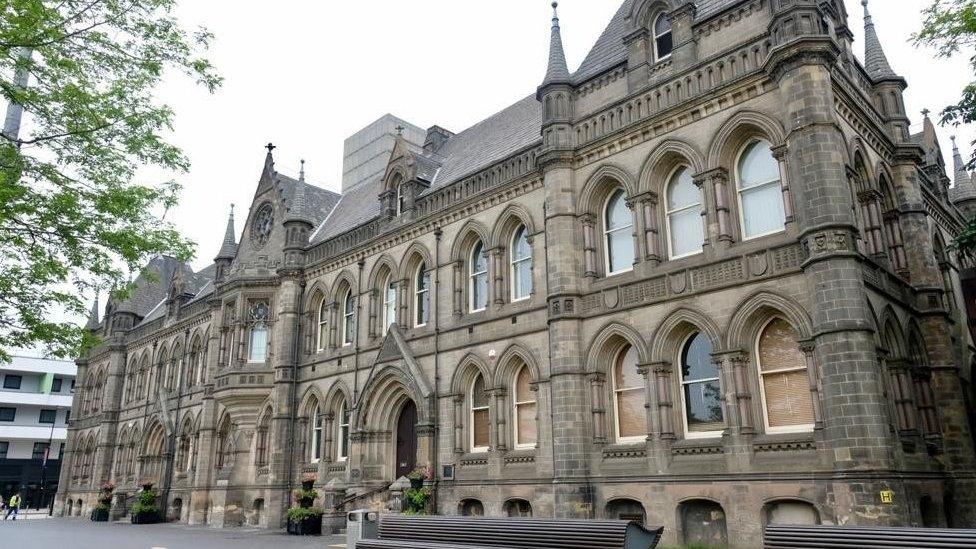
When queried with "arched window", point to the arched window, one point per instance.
{"points": [[263, 436], [703, 524], [400, 204], [322, 335], [342, 433], [663, 40], [628, 397], [479, 419], [626, 509], [518, 508], [389, 302], [478, 279], [700, 389], [471, 508], [618, 223], [686, 232], [760, 194], [521, 265], [258, 346], [315, 448], [348, 318], [785, 387], [791, 512], [526, 429], [421, 296]]}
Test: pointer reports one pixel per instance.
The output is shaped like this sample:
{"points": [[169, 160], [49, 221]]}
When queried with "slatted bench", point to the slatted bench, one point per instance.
{"points": [[509, 533], [840, 537]]}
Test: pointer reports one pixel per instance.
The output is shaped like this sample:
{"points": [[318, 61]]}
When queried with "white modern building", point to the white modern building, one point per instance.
{"points": [[35, 405]]}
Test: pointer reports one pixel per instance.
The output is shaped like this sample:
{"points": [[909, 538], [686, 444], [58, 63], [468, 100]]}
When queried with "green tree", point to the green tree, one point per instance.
{"points": [[949, 26], [73, 218]]}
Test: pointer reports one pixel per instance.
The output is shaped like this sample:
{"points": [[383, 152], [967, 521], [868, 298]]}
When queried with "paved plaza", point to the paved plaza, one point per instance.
{"points": [[83, 534]]}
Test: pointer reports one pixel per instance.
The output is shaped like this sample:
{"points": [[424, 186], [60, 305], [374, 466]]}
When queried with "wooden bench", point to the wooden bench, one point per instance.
{"points": [[866, 537], [509, 533]]}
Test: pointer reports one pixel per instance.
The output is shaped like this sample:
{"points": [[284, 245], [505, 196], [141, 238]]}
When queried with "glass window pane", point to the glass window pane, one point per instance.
{"points": [[682, 191], [621, 250], [527, 430], [687, 232], [520, 245], [522, 278], [697, 364], [665, 45], [630, 413], [762, 210], [626, 375], [479, 292], [259, 343], [757, 165], [778, 349], [478, 259], [703, 406], [662, 25], [618, 214], [478, 396], [480, 428]]}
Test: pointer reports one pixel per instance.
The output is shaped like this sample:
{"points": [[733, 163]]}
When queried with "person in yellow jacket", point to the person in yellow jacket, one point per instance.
{"points": [[13, 506]]}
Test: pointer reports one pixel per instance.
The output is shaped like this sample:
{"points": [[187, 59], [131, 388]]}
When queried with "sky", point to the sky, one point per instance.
{"points": [[306, 74]]}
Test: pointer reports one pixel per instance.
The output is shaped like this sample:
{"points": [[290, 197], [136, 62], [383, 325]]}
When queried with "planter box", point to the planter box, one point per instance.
{"points": [[99, 515], [153, 518], [311, 526]]}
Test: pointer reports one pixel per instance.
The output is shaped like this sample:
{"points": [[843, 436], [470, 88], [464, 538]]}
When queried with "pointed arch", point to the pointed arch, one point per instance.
{"points": [[311, 398], [755, 311], [644, 12], [316, 293], [511, 217], [382, 267], [338, 392], [604, 180], [511, 360], [893, 334], [668, 337], [737, 131], [384, 395], [608, 341], [670, 154], [470, 232], [468, 366], [417, 253], [344, 281]]}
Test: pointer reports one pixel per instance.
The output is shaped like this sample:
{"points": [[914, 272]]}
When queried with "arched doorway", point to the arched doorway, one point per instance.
{"points": [[406, 439]]}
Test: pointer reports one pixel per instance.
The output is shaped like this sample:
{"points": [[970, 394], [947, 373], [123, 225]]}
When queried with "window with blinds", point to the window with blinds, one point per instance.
{"points": [[787, 403]]}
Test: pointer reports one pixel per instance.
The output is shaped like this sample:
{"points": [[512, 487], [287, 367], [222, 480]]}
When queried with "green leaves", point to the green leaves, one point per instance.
{"points": [[72, 215]]}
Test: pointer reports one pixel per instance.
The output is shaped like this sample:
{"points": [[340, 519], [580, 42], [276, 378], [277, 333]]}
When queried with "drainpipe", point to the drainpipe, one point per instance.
{"points": [[435, 309]]}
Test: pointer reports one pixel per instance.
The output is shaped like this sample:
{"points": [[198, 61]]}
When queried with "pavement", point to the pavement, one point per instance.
{"points": [[78, 533]]}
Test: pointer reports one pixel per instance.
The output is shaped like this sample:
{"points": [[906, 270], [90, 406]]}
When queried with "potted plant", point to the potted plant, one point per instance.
{"points": [[144, 510], [418, 476], [304, 519], [104, 505]]}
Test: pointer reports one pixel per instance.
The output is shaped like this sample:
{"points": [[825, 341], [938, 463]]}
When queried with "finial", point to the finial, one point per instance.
{"points": [[301, 173], [865, 4], [231, 209], [399, 129], [555, 14], [270, 147], [926, 112]]}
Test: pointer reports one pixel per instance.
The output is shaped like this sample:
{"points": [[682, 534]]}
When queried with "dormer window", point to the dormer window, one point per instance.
{"points": [[663, 41], [399, 200]]}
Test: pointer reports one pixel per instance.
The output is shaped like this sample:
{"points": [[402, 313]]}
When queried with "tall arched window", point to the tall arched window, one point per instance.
{"points": [[322, 335], [263, 436], [521, 265], [348, 318], [342, 433], [479, 415], [315, 448], [686, 232], [526, 429], [421, 297], [628, 397], [400, 204], [760, 194], [700, 389], [663, 40], [618, 223], [786, 398], [389, 302], [258, 345], [478, 278]]}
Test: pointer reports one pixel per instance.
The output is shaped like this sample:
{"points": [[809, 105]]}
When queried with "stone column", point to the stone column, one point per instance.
{"points": [[813, 376], [500, 397], [648, 202], [709, 211], [459, 445], [458, 288], [497, 266], [662, 377], [597, 401], [779, 152], [589, 246]]}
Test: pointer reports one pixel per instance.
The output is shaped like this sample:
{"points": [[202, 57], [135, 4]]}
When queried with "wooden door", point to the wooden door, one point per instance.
{"points": [[406, 440]]}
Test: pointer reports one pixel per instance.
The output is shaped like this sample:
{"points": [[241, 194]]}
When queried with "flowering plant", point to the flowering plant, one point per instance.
{"points": [[309, 477], [108, 486], [421, 473]]}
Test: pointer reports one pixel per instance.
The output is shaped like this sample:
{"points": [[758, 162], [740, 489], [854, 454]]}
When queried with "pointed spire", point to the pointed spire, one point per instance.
{"points": [[268, 172], [94, 319], [228, 249], [962, 188], [875, 60], [298, 211], [558, 71]]}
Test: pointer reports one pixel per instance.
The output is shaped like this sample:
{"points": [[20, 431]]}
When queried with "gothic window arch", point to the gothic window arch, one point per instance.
{"points": [[618, 233], [686, 230], [348, 317], [317, 426], [629, 396], [891, 216], [663, 38], [257, 349], [262, 447], [700, 389], [342, 432], [421, 295], [784, 384], [521, 264], [321, 326], [525, 409], [389, 309], [759, 189]]}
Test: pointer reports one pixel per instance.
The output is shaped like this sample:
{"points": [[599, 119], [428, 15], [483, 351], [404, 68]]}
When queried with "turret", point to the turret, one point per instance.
{"points": [[228, 249], [94, 322], [556, 94], [963, 191], [889, 88], [298, 223]]}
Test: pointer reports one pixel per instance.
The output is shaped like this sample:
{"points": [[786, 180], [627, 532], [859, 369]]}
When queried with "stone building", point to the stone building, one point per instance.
{"points": [[701, 281]]}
